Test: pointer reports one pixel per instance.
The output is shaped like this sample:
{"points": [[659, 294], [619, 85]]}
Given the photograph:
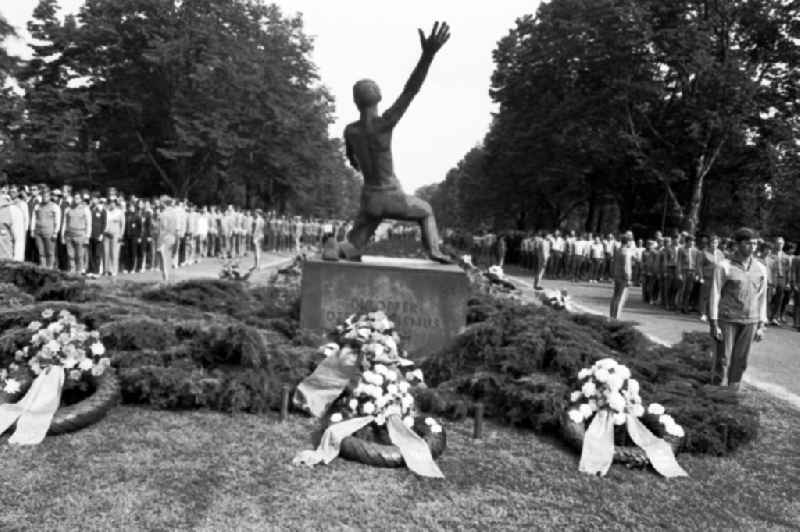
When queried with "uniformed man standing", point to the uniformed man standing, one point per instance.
{"points": [[686, 273], [45, 226], [622, 274], [75, 233], [9, 229]]}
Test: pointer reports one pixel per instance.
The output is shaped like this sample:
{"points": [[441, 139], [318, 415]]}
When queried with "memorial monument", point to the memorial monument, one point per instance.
{"points": [[426, 300]]}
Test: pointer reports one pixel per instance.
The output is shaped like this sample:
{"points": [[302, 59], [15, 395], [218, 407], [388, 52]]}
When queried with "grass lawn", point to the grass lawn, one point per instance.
{"points": [[141, 469]]}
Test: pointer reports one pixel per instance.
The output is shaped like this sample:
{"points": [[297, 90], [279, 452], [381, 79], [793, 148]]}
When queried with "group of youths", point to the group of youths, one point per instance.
{"points": [[88, 233], [674, 271]]}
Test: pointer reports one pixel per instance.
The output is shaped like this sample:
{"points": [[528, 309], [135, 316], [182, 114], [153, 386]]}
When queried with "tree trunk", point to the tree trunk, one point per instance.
{"points": [[590, 216]]}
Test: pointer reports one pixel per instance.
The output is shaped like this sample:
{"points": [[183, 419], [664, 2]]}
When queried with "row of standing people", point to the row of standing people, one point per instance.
{"points": [[103, 235]]}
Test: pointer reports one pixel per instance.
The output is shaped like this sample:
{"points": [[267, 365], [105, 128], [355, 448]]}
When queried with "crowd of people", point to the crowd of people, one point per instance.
{"points": [[673, 271], [88, 233]]}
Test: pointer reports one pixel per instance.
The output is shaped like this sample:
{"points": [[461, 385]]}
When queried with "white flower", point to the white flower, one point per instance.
{"points": [[372, 378], [601, 375], [53, 346], [380, 419], [575, 416], [436, 429], [616, 402], [606, 363], [467, 259], [55, 327], [619, 418], [391, 375], [593, 405], [98, 349], [94, 334], [98, 369], [655, 409], [70, 363], [85, 364], [19, 356], [35, 367], [392, 389], [623, 371], [406, 401], [353, 404], [615, 382], [380, 369], [585, 410], [368, 408], [666, 419], [403, 386], [430, 421], [575, 397], [408, 421], [47, 313], [12, 386], [363, 332], [633, 387], [336, 418], [588, 389], [382, 401], [675, 430], [637, 410], [585, 372], [75, 374]]}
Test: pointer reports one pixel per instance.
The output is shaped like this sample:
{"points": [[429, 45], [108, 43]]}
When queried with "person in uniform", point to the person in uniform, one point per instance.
{"points": [[708, 258], [779, 265], [45, 227], [112, 235], [258, 238], [9, 226], [686, 273], [75, 232], [542, 258], [622, 274], [17, 197], [737, 309]]}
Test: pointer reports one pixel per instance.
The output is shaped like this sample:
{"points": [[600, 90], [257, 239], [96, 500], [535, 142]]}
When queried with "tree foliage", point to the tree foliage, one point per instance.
{"points": [[669, 110], [217, 100]]}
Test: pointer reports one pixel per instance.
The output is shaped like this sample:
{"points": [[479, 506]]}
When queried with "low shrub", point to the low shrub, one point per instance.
{"points": [[522, 361], [13, 296]]}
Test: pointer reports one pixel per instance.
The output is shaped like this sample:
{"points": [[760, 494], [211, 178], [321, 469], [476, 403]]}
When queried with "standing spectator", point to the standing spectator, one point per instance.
{"points": [[169, 229], [795, 280], [779, 264], [45, 226], [542, 258], [75, 233], [20, 237], [622, 274], [649, 272], [146, 251], [112, 236], [8, 227], [98, 211], [132, 238], [707, 260], [201, 234], [686, 273], [737, 309], [258, 238], [597, 256]]}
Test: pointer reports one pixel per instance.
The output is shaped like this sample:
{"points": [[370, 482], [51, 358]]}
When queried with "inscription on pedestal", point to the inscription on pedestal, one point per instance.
{"points": [[426, 301]]}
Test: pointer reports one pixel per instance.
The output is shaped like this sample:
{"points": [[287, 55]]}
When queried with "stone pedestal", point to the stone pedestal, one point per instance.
{"points": [[426, 301]]}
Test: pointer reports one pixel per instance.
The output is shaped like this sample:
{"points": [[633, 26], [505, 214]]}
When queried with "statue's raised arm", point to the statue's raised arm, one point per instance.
{"points": [[430, 46]]}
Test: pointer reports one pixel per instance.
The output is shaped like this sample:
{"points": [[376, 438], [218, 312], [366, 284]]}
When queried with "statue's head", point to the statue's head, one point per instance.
{"points": [[366, 93]]}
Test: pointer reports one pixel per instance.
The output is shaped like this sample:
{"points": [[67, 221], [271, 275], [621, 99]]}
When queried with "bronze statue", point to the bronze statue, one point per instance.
{"points": [[369, 149]]}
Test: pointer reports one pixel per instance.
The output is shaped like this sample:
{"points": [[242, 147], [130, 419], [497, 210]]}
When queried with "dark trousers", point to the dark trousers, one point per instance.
{"points": [[732, 353], [96, 255], [132, 252], [776, 302]]}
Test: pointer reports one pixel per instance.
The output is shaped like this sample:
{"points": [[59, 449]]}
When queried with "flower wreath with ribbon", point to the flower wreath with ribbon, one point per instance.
{"points": [[62, 354], [609, 397], [365, 379]]}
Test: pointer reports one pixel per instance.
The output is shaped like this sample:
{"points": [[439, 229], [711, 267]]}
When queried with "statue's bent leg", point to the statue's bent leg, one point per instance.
{"points": [[420, 211]]}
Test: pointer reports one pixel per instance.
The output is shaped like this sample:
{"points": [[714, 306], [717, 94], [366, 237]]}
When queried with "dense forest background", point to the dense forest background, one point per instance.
{"points": [[214, 100], [643, 115]]}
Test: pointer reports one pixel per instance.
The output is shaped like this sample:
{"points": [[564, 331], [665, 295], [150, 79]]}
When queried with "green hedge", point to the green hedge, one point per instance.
{"points": [[522, 361]]}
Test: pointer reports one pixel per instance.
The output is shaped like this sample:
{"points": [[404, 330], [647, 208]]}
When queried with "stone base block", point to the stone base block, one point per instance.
{"points": [[426, 301]]}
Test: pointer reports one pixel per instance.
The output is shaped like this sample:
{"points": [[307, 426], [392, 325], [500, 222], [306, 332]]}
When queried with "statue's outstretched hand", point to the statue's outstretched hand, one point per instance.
{"points": [[437, 38]]}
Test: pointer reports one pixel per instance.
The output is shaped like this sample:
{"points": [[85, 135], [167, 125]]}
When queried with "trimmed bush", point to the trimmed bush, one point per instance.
{"points": [[522, 361], [13, 296]]}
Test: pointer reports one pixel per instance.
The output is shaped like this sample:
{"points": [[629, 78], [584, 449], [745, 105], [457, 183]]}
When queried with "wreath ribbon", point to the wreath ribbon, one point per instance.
{"points": [[597, 453], [416, 453], [34, 412]]}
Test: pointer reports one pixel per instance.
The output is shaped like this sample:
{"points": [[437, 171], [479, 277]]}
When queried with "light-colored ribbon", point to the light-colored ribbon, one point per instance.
{"points": [[657, 450], [34, 412], [597, 453], [415, 451], [317, 391]]}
